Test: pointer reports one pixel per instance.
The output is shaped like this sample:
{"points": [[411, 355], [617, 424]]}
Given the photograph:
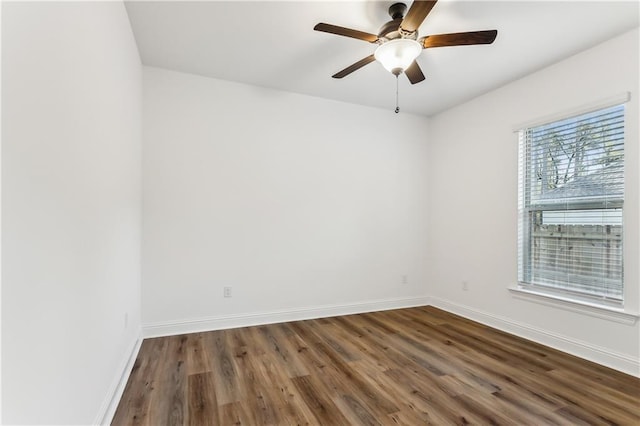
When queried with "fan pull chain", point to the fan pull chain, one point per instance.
{"points": [[397, 107]]}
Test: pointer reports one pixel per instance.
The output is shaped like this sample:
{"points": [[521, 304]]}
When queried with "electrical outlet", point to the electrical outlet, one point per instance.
{"points": [[126, 319], [227, 292], [405, 279], [465, 285]]}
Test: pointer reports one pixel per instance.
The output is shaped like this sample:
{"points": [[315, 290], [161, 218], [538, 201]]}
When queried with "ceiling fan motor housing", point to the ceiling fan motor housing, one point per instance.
{"points": [[391, 30]]}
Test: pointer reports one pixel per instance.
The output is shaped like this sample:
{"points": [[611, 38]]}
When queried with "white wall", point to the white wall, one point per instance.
{"points": [[0, 214], [297, 203], [71, 159], [473, 202]]}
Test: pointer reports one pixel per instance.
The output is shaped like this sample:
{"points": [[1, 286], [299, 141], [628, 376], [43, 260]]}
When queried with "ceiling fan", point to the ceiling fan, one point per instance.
{"points": [[398, 42]]}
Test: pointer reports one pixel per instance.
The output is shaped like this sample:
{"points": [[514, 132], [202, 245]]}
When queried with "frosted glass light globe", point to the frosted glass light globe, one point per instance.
{"points": [[397, 55]]}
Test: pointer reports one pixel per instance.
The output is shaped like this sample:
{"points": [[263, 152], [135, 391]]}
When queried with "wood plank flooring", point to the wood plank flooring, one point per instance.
{"points": [[402, 367]]}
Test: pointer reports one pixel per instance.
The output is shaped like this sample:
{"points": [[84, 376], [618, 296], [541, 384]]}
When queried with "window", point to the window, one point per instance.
{"points": [[571, 195]]}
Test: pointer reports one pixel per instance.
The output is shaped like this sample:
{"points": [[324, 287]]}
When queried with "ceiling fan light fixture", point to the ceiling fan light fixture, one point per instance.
{"points": [[397, 55]]}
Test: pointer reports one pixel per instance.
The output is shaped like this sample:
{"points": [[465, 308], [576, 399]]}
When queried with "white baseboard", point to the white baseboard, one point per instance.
{"points": [[244, 320], [111, 400], [617, 361], [588, 351]]}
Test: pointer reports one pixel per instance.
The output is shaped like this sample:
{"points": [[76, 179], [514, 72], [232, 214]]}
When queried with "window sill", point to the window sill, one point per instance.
{"points": [[605, 312]]}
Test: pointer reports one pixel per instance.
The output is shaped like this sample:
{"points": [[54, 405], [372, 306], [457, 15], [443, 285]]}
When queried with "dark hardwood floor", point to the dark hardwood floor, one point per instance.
{"points": [[408, 366]]}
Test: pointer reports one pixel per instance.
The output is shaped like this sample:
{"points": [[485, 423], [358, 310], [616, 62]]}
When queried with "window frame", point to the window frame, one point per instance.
{"points": [[568, 299]]}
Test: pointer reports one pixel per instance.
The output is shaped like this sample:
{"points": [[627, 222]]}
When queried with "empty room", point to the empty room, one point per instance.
{"points": [[320, 213]]}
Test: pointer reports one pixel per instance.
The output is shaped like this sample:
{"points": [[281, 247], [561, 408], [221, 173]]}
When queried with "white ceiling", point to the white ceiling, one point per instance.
{"points": [[272, 44]]}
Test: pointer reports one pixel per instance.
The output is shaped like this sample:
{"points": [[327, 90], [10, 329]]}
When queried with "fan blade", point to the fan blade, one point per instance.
{"points": [[414, 73], [416, 15], [459, 39], [351, 68], [347, 32]]}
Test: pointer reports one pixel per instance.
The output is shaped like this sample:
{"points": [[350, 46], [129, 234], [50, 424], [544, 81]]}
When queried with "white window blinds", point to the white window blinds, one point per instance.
{"points": [[571, 194]]}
